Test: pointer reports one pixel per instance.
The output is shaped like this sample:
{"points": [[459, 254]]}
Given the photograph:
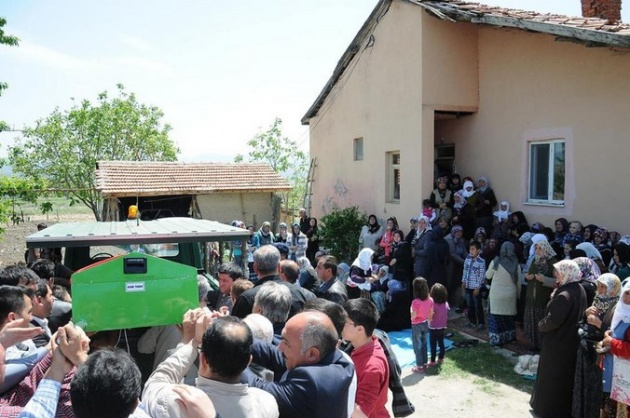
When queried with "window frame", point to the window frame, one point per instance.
{"points": [[355, 149], [391, 176], [550, 175]]}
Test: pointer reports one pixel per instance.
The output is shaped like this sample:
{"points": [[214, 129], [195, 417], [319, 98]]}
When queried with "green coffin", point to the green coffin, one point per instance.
{"points": [[131, 291]]}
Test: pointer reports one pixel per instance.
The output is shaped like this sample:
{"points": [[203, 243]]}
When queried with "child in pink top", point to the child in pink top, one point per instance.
{"points": [[437, 323], [421, 308]]}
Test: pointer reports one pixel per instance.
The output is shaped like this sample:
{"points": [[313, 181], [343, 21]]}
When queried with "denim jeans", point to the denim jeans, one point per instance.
{"points": [[475, 308], [419, 335]]}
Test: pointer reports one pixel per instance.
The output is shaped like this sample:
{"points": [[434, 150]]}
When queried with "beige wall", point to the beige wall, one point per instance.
{"points": [[251, 208], [533, 87]]}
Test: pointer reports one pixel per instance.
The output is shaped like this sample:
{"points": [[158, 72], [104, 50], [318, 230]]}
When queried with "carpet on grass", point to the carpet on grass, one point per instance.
{"points": [[402, 345]]}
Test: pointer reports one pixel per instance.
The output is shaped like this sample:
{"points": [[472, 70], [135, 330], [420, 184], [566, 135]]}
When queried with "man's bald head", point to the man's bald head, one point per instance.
{"points": [[307, 338]]}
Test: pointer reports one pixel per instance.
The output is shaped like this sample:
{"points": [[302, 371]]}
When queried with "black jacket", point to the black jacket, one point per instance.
{"points": [[245, 302]]}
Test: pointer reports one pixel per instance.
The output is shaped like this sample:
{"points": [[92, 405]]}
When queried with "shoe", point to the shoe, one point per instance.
{"points": [[419, 369], [432, 364]]}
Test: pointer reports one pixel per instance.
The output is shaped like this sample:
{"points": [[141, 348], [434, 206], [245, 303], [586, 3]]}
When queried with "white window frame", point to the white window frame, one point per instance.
{"points": [[550, 177], [355, 149], [391, 176]]}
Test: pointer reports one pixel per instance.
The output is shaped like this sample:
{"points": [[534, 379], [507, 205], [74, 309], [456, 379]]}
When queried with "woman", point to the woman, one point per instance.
{"points": [[485, 203], [621, 261], [308, 276], [313, 240], [463, 215], [587, 390], [503, 274], [600, 241], [253, 243], [265, 236], [438, 258], [297, 242], [282, 234], [589, 230], [590, 273], [421, 248], [500, 221], [618, 341], [481, 235], [401, 258], [442, 199], [387, 240], [370, 234], [593, 254], [360, 274], [458, 251], [553, 391], [540, 283], [562, 228], [456, 183]]}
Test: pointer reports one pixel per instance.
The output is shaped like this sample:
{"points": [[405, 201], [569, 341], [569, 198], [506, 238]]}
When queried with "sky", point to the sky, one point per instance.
{"points": [[220, 70]]}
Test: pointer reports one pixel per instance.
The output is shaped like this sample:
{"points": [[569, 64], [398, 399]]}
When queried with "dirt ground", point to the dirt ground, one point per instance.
{"points": [[452, 397]]}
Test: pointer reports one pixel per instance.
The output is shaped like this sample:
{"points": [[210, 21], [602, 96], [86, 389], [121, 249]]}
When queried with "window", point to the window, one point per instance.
{"points": [[358, 149], [393, 176], [546, 172]]}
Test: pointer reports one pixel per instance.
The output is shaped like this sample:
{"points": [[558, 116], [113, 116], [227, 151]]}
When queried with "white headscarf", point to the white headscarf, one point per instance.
{"points": [[612, 283], [590, 250], [622, 311], [467, 193], [503, 215], [536, 238], [364, 259]]}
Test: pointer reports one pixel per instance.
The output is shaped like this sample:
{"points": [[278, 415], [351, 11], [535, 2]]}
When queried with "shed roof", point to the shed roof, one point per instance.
{"points": [[148, 178], [586, 30]]}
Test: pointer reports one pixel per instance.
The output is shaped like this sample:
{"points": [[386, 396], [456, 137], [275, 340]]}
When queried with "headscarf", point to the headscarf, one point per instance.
{"points": [[484, 188], [590, 250], [612, 283], [373, 228], [590, 270], [569, 271], [507, 258], [503, 215], [427, 226], [462, 199], [305, 264], [480, 230], [602, 233], [467, 193], [625, 239], [622, 312], [364, 259], [547, 251], [536, 238]]}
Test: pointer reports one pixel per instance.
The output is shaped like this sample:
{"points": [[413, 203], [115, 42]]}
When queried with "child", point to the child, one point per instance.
{"points": [[472, 282], [575, 233], [369, 358], [428, 211], [437, 323], [420, 312]]}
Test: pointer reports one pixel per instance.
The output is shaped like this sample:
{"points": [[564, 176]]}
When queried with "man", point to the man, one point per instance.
{"points": [[273, 301], [15, 275], [290, 272], [228, 272], [315, 376], [42, 307], [225, 352], [305, 221], [266, 260], [368, 357], [331, 288]]}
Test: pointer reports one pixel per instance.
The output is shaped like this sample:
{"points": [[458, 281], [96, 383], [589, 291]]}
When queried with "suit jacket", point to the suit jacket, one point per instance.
{"points": [[315, 391], [334, 291], [42, 339], [245, 302]]}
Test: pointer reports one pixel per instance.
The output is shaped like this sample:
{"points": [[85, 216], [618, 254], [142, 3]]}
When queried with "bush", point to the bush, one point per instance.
{"points": [[340, 232]]}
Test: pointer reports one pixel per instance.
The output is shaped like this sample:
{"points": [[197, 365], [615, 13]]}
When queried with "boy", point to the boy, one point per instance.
{"points": [[472, 281], [369, 359]]}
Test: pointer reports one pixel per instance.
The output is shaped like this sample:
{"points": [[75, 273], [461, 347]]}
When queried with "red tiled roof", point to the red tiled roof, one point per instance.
{"points": [[146, 178]]}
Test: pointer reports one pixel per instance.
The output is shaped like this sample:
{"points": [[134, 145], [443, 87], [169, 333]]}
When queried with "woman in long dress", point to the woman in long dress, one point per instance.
{"points": [[503, 274]]}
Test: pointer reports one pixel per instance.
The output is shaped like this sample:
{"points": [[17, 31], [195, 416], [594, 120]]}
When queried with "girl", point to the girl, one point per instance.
{"points": [[428, 211], [387, 240], [437, 323], [421, 308]]}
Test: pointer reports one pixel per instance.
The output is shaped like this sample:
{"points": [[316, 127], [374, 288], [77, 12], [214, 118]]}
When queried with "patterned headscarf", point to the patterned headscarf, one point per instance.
{"points": [[569, 271], [547, 250], [462, 199], [590, 270], [484, 188], [602, 233], [612, 283], [622, 312]]}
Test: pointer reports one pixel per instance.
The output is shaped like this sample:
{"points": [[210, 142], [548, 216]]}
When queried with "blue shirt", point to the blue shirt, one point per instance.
{"points": [[474, 272]]}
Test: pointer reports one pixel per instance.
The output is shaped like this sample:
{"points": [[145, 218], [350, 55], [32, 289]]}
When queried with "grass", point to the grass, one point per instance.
{"points": [[60, 206], [484, 364]]}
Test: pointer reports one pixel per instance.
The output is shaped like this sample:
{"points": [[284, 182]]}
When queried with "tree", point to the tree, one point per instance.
{"points": [[11, 41], [340, 231], [64, 147], [283, 155]]}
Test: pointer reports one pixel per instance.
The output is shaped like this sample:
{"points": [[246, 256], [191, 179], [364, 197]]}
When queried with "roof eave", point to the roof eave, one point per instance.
{"points": [[134, 193]]}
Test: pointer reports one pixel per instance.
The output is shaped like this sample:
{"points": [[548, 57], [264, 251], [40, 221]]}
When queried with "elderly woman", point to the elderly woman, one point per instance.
{"points": [[463, 214], [485, 204], [458, 251], [540, 283], [587, 390], [503, 274], [360, 274], [297, 242], [553, 391], [594, 254], [371, 234], [421, 248], [308, 276], [442, 199], [617, 340]]}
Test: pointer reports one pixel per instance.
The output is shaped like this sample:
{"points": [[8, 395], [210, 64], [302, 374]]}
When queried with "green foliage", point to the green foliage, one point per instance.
{"points": [[340, 230], [283, 155], [14, 190], [11, 41], [64, 147]]}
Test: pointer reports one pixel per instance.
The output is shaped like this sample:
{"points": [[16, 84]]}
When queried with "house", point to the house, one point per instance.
{"points": [[540, 103], [216, 191]]}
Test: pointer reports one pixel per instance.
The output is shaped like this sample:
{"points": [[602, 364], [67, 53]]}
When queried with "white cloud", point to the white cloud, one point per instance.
{"points": [[134, 42]]}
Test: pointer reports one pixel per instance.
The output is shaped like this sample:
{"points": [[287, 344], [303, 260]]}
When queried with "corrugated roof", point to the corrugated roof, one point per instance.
{"points": [[147, 178], [590, 31]]}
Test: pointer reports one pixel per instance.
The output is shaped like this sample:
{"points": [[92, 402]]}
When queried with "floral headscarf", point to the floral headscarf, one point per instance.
{"points": [[462, 199], [612, 283], [569, 271], [622, 311], [547, 250], [590, 270]]}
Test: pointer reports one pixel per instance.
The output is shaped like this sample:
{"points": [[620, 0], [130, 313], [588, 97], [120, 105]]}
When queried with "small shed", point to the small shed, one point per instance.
{"points": [[216, 191]]}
